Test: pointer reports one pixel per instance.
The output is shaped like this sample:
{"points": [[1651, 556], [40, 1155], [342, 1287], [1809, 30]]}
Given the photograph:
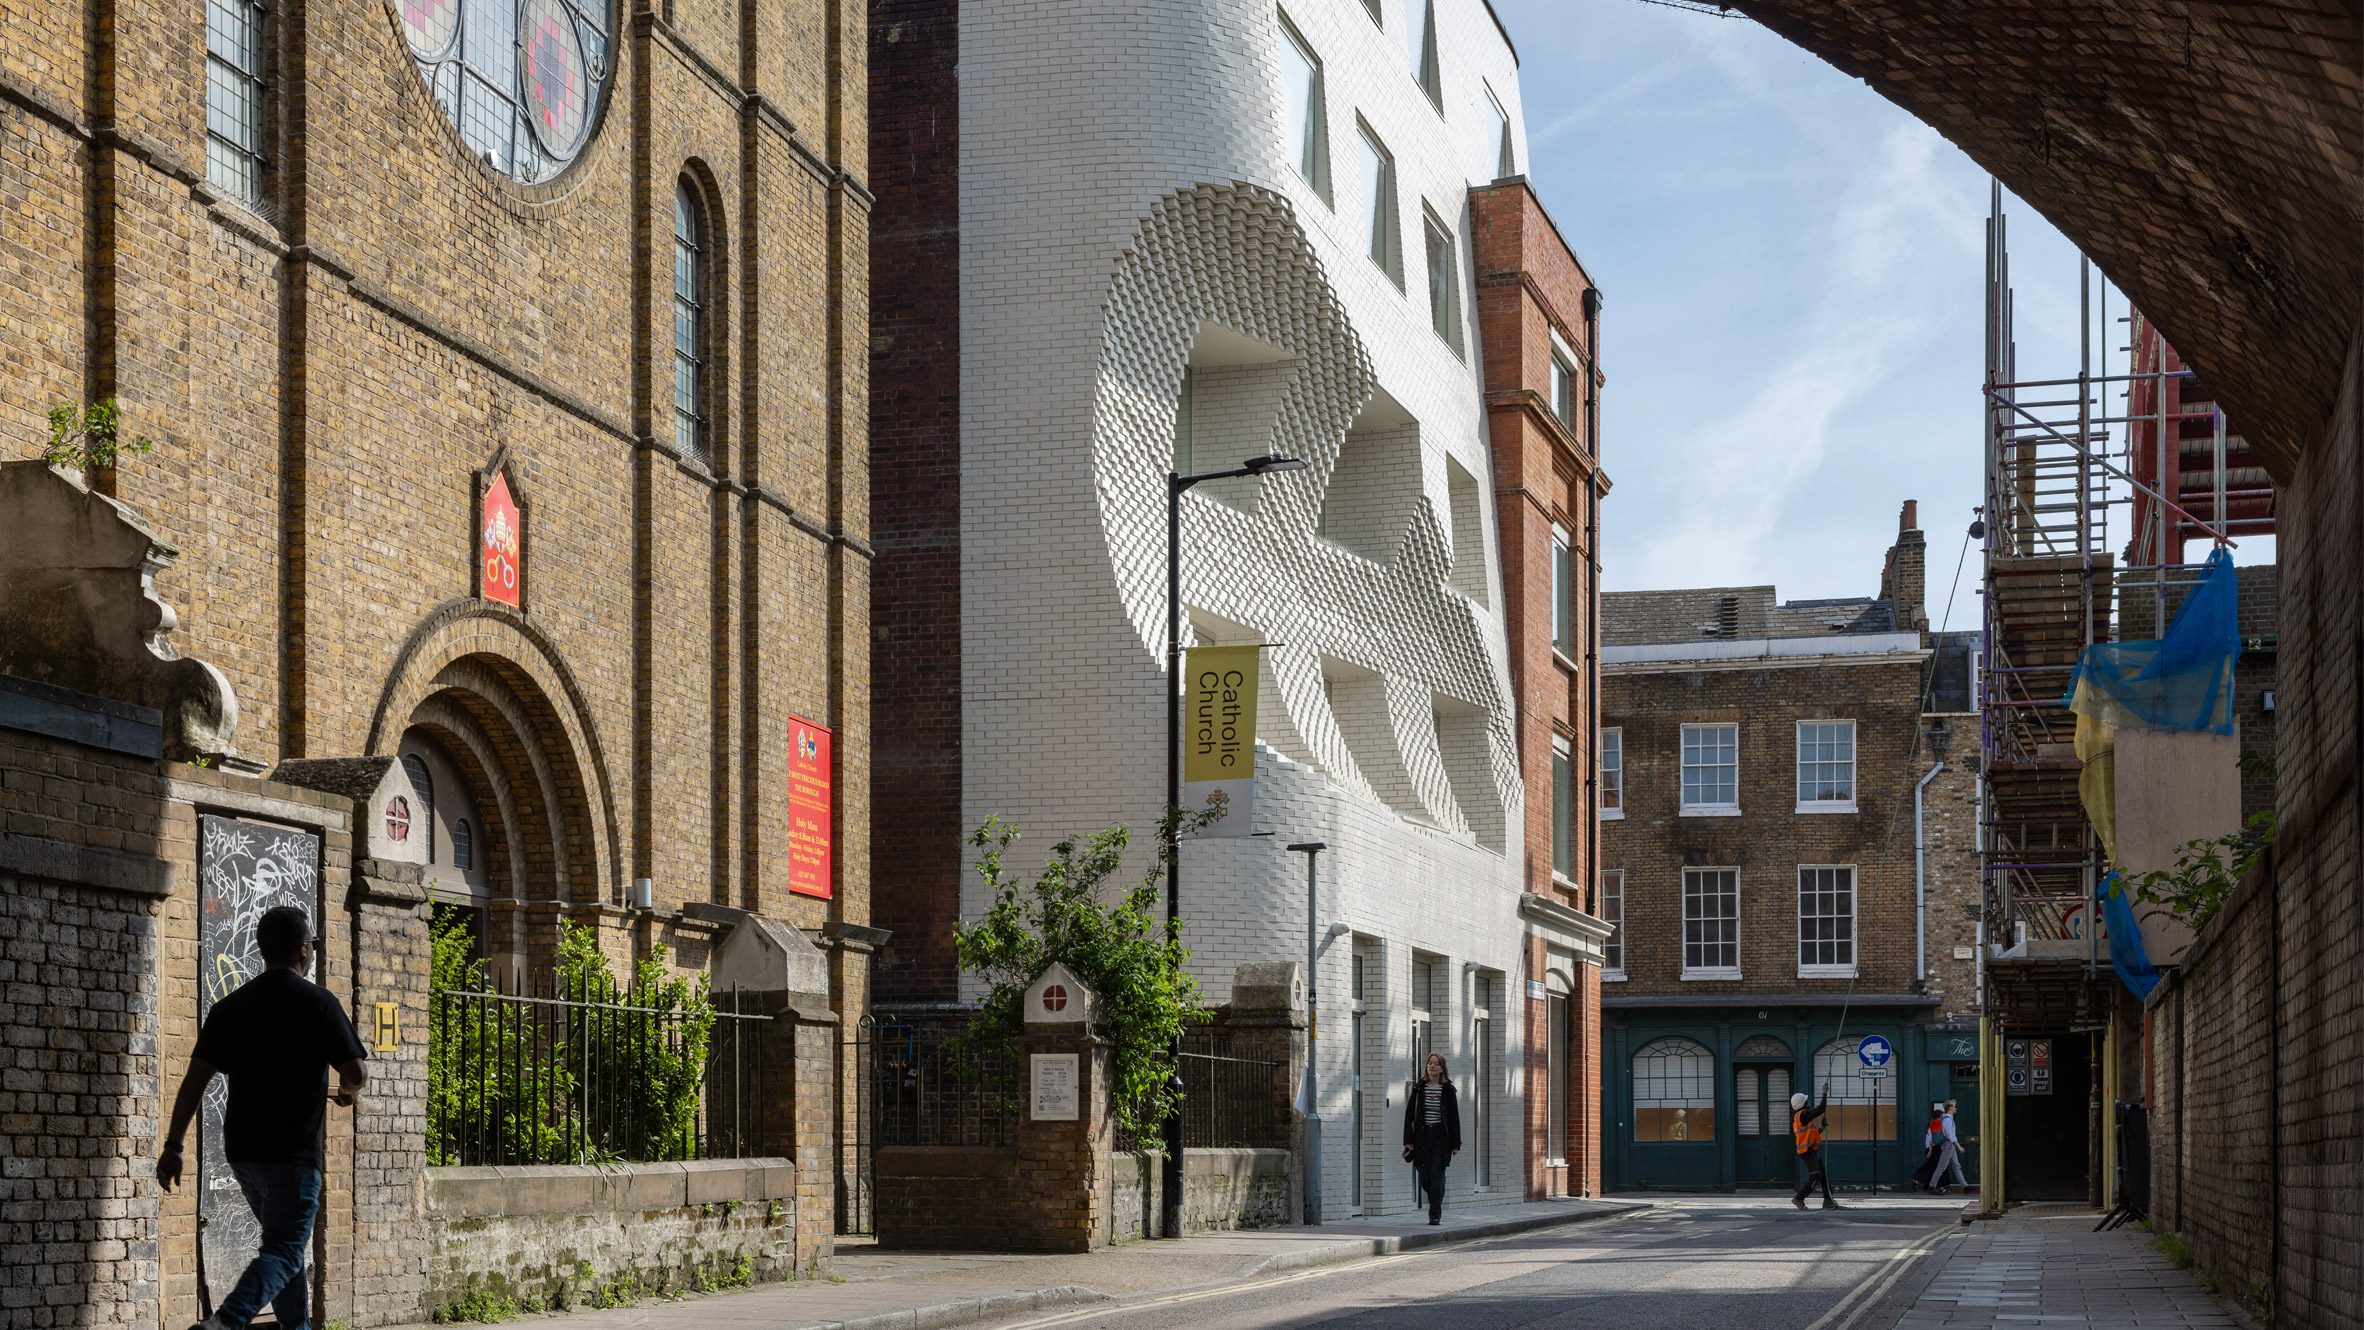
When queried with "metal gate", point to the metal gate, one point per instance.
{"points": [[858, 1127]]}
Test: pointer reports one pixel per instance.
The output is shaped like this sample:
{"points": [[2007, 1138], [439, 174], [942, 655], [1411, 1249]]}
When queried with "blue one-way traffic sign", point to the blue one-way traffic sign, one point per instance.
{"points": [[1874, 1051]]}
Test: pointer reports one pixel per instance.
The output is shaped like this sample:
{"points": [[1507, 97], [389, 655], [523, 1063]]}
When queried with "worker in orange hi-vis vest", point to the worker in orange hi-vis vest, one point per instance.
{"points": [[1805, 1124]]}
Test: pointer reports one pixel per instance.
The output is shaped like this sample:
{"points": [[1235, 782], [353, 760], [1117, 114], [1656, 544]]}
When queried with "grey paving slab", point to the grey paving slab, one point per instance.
{"points": [[2049, 1268]]}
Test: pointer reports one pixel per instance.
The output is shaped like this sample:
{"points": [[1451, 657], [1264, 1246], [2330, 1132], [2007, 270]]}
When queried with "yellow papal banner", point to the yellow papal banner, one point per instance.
{"points": [[1219, 738]]}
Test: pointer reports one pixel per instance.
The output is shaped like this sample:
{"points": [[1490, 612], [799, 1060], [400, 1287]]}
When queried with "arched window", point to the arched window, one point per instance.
{"points": [[1861, 1108], [1761, 1048], [689, 321], [423, 784], [1674, 1092], [463, 846]]}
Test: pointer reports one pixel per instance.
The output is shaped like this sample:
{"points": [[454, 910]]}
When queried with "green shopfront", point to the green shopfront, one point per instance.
{"points": [[1697, 1098]]}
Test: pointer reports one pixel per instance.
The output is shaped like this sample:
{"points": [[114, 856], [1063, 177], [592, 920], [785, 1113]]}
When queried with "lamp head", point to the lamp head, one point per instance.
{"points": [[1258, 466]]}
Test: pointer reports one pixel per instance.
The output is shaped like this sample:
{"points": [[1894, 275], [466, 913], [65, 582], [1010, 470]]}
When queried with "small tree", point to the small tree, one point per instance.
{"points": [[88, 438], [1135, 970]]}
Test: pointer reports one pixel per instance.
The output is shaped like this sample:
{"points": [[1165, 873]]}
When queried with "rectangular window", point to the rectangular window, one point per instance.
{"points": [[1563, 809], [1444, 283], [1711, 923], [1711, 770], [1505, 155], [1379, 206], [1826, 921], [1826, 766], [1304, 118], [234, 98], [1613, 914], [1426, 1002], [1612, 773], [1420, 44], [1563, 593], [1563, 384]]}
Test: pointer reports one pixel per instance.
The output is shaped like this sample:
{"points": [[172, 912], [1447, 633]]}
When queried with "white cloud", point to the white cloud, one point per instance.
{"points": [[1875, 308]]}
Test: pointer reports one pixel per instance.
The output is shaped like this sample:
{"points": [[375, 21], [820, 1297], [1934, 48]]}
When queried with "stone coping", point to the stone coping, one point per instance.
{"points": [[543, 1189]]}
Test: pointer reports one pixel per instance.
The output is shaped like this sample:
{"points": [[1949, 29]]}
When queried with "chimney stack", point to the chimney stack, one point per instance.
{"points": [[1904, 579]]}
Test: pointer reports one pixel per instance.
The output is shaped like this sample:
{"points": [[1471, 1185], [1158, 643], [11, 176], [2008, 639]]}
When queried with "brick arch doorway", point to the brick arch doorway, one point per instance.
{"points": [[487, 707]]}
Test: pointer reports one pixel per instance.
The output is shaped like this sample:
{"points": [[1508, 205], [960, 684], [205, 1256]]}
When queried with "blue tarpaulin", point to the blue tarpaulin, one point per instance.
{"points": [[2127, 955], [2182, 681]]}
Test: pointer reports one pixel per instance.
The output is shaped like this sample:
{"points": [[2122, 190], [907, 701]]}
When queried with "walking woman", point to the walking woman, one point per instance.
{"points": [[1432, 1132]]}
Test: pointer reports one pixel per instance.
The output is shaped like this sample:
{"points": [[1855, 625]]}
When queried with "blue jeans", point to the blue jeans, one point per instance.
{"points": [[285, 1198]]}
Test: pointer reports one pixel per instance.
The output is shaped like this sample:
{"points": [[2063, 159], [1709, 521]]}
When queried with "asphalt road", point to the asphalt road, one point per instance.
{"points": [[1724, 1263]]}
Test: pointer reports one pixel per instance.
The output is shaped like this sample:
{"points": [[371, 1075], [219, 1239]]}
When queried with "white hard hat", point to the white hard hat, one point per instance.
{"points": [[1797, 1101]]}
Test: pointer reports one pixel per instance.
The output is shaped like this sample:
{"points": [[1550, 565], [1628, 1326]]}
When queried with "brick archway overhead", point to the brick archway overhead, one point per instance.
{"points": [[2207, 156]]}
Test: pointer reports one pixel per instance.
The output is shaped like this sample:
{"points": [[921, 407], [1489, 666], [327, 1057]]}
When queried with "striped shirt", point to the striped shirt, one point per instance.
{"points": [[1432, 1104]]}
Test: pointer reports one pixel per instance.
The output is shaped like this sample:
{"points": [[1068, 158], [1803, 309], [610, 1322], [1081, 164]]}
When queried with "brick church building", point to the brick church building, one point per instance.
{"points": [[505, 369]]}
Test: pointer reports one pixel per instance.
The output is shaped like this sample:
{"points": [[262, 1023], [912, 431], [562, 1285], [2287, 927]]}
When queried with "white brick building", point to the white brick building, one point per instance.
{"points": [[1158, 241]]}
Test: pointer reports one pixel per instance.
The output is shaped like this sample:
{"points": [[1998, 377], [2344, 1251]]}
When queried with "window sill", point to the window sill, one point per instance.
{"points": [[1826, 972], [1612, 815], [1561, 658], [1847, 807], [1718, 975], [1612, 976], [1709, 810]]}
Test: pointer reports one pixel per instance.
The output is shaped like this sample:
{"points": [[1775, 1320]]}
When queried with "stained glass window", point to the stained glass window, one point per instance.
{"points": [[520, 79]]}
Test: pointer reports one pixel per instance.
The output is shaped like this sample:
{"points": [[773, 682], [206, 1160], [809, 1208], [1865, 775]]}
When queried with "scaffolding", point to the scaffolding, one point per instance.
{"points": [[2059, 465]]}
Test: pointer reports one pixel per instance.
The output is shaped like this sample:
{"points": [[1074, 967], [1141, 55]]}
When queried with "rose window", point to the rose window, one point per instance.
{"points": [[520, 79]]}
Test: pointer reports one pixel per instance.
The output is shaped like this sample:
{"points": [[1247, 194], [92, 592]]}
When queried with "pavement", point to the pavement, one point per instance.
{"points": [[872, 1289], [2045, 1267]]}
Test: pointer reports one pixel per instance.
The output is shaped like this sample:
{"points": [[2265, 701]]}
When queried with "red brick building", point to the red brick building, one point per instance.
{"points": [[1539, 326]]}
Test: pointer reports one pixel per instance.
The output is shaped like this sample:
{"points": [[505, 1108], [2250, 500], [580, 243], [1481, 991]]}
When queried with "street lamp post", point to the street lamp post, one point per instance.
{"points": [[1170, 1208], [1312, 850]]}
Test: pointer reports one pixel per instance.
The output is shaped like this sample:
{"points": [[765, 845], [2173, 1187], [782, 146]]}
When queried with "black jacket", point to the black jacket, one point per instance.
{"points": [[1417, 1132]]}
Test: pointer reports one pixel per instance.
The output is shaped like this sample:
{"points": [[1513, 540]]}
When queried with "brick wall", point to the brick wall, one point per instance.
{"points": [[915, 479], [950, 1197], [1653, 844], [1222, 1190], [2259, 1041], [78, 1081]]}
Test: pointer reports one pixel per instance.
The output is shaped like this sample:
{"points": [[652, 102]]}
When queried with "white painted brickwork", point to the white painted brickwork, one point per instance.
{"points": [[1124, 178]]}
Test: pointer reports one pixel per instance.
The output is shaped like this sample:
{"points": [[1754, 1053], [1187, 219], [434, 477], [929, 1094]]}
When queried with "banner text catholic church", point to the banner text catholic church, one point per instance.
{"points": [[1219, 738]]}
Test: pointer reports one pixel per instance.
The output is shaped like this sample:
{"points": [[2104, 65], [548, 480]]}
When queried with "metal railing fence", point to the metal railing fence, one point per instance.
{"points": [[551, 1077]]}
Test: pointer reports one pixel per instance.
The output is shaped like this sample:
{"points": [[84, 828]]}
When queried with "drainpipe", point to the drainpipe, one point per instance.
{"points": [[1592, 589], [1921, 883]]}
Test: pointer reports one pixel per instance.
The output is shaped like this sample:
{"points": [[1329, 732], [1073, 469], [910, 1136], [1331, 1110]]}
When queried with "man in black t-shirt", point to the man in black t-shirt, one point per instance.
{"points": [[275, 1038]]}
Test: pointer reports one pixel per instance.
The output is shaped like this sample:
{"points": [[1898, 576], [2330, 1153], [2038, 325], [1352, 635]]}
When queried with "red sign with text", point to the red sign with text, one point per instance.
{"points": [[811, 778], [501, 534]]}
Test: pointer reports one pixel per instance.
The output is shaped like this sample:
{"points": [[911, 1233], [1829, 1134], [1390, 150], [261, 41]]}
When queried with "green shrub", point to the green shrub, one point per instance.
{"points": [[486, 1303], [1135, 969]]}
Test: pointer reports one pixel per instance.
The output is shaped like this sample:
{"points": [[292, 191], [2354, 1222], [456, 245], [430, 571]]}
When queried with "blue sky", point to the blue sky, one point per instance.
{"points": [[1791, 268]]}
